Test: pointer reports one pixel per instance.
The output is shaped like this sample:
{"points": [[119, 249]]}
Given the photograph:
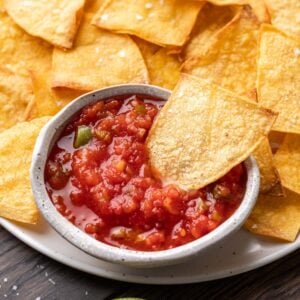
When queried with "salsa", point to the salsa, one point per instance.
{"points": [[98, 177]]}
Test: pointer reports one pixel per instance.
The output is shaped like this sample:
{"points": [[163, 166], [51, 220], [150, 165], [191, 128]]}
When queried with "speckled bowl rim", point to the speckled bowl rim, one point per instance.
{"points": [[46, 139]]}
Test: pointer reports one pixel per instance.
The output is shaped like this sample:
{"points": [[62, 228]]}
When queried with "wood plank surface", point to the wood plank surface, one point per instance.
{"points": [[26, 274]]}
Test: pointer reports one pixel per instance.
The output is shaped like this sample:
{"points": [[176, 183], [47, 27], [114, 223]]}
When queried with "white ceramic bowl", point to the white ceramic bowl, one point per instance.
{"points": [[48, 136]]}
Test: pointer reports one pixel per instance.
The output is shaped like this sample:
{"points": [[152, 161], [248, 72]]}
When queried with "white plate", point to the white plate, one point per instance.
{"points": [[239, 253]]}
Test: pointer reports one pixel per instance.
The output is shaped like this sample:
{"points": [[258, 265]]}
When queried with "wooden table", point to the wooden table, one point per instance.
{"points": [[26, 274]]}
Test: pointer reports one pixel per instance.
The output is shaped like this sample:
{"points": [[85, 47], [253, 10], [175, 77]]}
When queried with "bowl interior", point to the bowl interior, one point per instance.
{"points": [[46, 140]]}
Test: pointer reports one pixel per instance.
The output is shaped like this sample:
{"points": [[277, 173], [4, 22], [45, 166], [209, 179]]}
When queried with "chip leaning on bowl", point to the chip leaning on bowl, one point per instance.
{"points": [[51, 53]]}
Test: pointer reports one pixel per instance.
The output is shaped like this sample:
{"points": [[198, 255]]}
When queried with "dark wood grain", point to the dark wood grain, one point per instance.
{"points": [[26, 274]]}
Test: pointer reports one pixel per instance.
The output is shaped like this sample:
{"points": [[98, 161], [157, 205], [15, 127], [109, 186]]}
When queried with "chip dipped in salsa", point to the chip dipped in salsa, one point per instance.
{"points": [[98, 177]]}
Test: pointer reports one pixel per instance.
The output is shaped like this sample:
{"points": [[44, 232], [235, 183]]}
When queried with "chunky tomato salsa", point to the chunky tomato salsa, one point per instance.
{"points": [[98, 177]]}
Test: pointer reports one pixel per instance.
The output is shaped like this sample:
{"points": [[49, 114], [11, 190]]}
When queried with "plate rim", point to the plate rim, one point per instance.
{"points": [[16, 231]]}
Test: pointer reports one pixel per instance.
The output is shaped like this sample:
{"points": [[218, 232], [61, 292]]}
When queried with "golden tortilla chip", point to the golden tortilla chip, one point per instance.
{"points": [[259, 7], [49, 101], [55, 21], [278, 79], [111, 59], [16, 199], [285, 15], [87, 33], [163, 68], [287, 161], [203, 131], [210, 20], [277, 217], [276, 138], [16, 98], [269, 178], [166, 22], [20, 52], [231, 60], [92, 6]]}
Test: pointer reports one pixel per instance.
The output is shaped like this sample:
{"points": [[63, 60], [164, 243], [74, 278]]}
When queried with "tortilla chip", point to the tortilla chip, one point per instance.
{"points": [[49, 101], [92, 6], [259, 7], [166, 22], [287, 161], [210, 20], [277, 217], [285, 15], [276, 138], [203, 131], [55, 21], [16, 98], [278, 79], [20, 52], [16, 199], [111, 59], [269, 177], [231, 60], [163, 68]]}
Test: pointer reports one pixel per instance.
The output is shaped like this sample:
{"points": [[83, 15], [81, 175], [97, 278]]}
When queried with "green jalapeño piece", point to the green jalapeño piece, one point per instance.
{"points": [[82, 136]]}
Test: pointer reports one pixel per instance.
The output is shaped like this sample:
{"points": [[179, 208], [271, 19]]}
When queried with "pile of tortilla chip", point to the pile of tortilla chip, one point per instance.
{"points": [[234, 66]]}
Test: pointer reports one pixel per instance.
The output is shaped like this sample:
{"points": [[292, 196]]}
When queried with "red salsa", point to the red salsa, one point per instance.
{"points": [[98, 177]]}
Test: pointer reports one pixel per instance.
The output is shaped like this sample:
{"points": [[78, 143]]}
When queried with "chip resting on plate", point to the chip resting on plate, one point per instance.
{"points": [[210, 20], [230, 61], [259, 7], [55, 21], [285, 15], [16, 98], [269, 178], [278, 79], [277, 217], [166, 22], [111, 59], [16, 199], [19, 51], [287, 161], [203, 131]]}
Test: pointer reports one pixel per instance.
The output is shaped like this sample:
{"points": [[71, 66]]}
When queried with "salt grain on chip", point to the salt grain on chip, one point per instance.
{"points": [[166, 22], [203, 131]]}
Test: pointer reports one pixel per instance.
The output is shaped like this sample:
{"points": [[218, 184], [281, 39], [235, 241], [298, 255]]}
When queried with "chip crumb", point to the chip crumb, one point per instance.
{"points": [[15, 287], [5, 296], [52, 281], [38, 298], [149, 5], [86, 293], [5, 279], [46, 274]]}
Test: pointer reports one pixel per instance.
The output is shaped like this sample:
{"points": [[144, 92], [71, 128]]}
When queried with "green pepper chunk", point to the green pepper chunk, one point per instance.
{"points": [[140, 109], [83, 136]]}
